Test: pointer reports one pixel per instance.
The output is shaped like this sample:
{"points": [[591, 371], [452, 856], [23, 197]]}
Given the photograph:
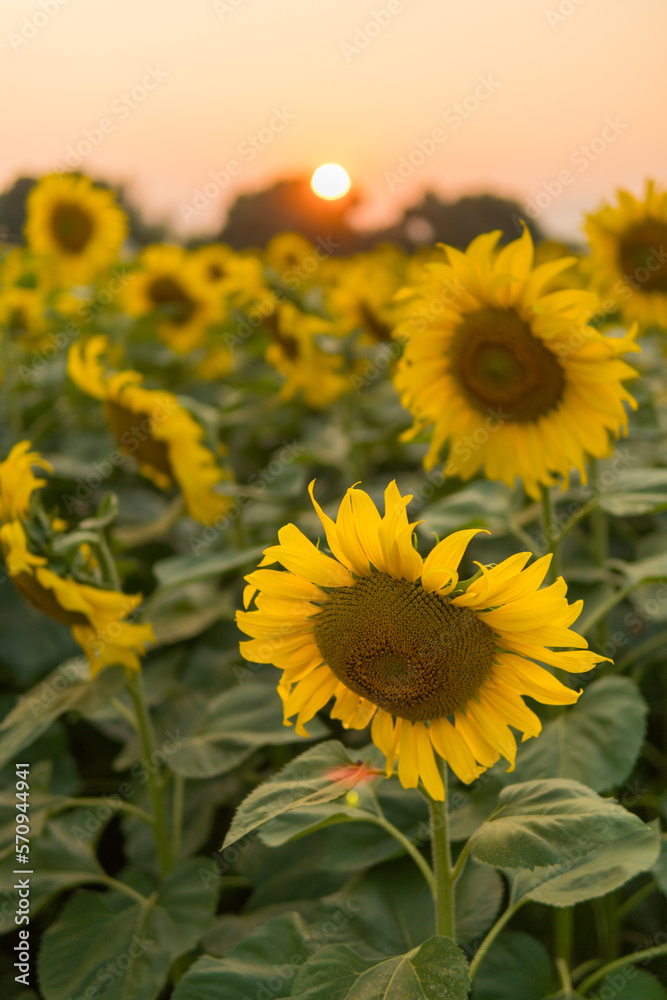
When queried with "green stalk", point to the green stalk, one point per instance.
{"points": [[600, 532], [136, 688], [492, 935], [551, 534], [636, 956], [177, 814], [442, 863], [564, 933]]}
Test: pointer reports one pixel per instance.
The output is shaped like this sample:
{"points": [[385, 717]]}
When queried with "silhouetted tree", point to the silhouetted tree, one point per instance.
{"points": [[458, 222], [290, 205], [13, 214], [12, 209]]}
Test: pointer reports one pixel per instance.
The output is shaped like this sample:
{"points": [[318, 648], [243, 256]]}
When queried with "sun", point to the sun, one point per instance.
{"points": [[330, 181]]}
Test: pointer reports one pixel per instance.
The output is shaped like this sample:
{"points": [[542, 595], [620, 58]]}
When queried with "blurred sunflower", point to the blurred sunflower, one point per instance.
{"points": [[22, 312], [396, 640], [154, 427], [628, 259], [295, 352], [169, 285], [18, 481], [77, 228], [512, 377], [236, 277], [95, 614], [361, 294]]}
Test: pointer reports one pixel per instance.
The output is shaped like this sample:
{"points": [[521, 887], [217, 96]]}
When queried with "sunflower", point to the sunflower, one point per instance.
{"points": [[95, 614], [399, 642], [236, 277], [18, 481], [360, 293], [22, 312], [170, 284], [628, 259], [154, 427], [513, 377], [75, 227], [295, 352]]}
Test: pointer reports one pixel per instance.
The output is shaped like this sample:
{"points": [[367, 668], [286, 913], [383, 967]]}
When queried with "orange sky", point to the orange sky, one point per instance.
{"points": [[462, 97]]}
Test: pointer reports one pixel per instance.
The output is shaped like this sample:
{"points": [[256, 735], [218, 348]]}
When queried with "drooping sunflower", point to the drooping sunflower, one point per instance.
{"points": [[628, 261], [153, 426], [512, 377], [399, 642], [77, 228], [96, 614], [170, 284]]}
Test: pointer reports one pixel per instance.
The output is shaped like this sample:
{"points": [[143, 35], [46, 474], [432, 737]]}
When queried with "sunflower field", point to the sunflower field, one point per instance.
{"points": [[334, 600]]}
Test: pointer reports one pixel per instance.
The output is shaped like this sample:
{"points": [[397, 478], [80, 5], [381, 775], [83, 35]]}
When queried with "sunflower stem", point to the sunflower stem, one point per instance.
{"points": [[492, 935], [636, 956], [599, 523], [177, 814], [551, 533], [564, 933], [442, 863], [135, 687]]}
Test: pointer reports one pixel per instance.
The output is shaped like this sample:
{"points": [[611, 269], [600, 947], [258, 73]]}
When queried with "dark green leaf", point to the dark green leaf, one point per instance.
{"points": [[321, 774], [66, 688], [234, 724], [437, 970], [127, 946], [597, 741], [629, 983], [179, 570], [516, 967], [262, 966], [549, 822], [479, 893], [596, 874]]}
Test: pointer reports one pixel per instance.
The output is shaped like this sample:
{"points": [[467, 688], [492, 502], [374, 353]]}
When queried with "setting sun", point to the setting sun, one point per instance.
{"points": [[330, 181]]}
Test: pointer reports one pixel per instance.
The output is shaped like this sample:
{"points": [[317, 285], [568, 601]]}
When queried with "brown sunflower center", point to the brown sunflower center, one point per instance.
{"points": [[642, 256], [133, 431], [409, 652], [373, 323], [71, 226], [216, 272], [503, 369], [167, 294]]}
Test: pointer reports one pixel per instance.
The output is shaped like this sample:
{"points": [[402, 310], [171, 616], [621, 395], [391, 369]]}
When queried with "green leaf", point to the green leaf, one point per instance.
{"points": [[234, 724], [437, 970], [479, 893], [127, 946], [549, 822], [321, 774], [389, 908], [266, 962], [516, 967], [66, 688], [629, 983], [597, 741], [482, 503], [636, 491], [61, 858], [659, 869], [653, 568], [594, 875], [179, 570]]}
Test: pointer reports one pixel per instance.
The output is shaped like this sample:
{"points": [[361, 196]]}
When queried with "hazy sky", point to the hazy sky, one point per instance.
{"points": [[159, 93]]}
